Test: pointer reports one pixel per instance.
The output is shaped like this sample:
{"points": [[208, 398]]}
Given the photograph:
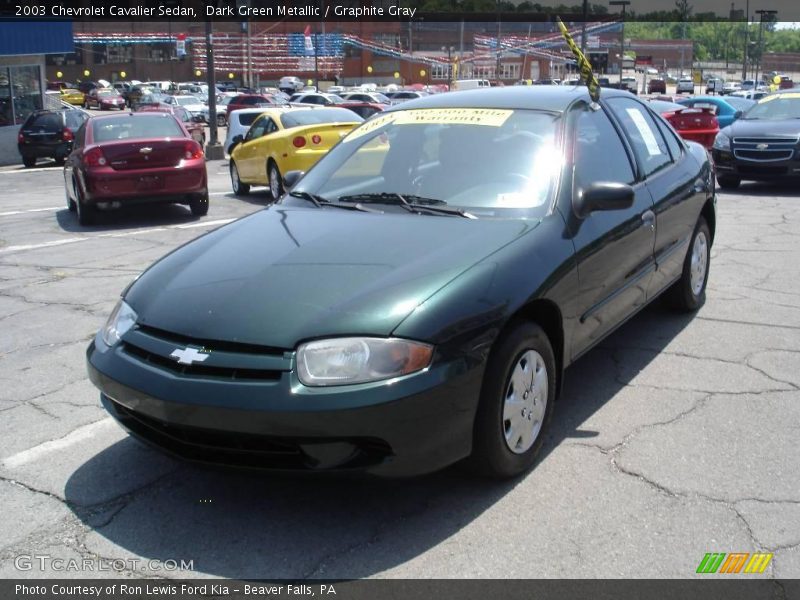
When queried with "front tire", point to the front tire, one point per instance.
{"points": [[688, 294], [239, 188], [516, 402], [221, 121], [726, 182], [275, 180]]}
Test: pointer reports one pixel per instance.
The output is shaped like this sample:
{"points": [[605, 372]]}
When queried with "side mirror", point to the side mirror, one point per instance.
{"points": [[737, 114], [604, 195], [237, 139], [291, 178]]}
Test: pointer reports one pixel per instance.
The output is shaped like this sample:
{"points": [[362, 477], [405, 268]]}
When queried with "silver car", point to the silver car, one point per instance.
{"points": [[685, 84]]}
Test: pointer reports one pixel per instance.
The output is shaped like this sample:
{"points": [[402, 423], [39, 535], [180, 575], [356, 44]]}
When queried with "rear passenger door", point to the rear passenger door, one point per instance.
{"points": [[614, 249], [670, 174]]}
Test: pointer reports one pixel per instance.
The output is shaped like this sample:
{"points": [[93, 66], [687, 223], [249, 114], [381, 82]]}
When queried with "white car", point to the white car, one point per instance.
{"points": [[239, 122], [685, 84], [291, 84], [373, 97], [315, 98], [193, 104]]}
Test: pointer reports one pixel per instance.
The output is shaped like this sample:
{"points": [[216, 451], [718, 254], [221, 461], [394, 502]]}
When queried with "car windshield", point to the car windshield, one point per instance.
{"points": [[187, 100], [103, 93], [312, 116], [488, 162], [776, 107], [661, 106], [128, 127]]}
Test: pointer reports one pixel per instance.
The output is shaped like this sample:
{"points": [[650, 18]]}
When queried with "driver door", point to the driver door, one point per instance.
{"points": [[247, 153]]}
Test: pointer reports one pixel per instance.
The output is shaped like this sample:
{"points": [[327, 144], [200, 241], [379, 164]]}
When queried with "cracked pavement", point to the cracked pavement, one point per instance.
{"points": [[676, 437]]}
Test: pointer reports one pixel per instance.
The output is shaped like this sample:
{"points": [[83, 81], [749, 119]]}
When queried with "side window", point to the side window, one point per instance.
{"points": [[648, 144], [271, 127], [599, 153], [675, 145], [80, 136], [256, 130]]}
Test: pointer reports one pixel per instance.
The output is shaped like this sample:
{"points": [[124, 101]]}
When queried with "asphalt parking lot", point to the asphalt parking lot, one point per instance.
{"points": [[676, 437]]}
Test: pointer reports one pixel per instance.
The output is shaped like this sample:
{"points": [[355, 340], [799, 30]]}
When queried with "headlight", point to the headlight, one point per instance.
{"points": [[121, 320], [342, 361], [722, 142]]}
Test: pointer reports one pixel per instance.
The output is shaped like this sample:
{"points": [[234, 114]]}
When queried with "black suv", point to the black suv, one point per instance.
{"points": [[49, 134]]}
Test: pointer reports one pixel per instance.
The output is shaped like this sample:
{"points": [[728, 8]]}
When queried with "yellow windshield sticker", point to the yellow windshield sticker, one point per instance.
{"points": [[487, 117]]}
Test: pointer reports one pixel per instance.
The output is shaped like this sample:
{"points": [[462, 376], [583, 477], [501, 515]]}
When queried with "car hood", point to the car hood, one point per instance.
{"points": [[286, 274], [763, 128]]}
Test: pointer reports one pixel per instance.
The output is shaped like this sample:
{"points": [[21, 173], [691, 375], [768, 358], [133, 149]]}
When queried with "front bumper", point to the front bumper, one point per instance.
{"points": [[414, 425], [728, 164]]}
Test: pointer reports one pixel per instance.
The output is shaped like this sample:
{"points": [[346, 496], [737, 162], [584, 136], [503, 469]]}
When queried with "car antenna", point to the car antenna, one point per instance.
{"points": [[587, 75]]}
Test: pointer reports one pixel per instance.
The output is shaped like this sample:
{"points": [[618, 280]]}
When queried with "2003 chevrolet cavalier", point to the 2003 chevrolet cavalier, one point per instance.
{"points": [[416, 296]]}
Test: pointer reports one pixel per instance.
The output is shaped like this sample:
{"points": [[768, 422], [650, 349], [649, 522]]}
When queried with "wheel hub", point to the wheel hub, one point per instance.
{"points": [[525, 402]]}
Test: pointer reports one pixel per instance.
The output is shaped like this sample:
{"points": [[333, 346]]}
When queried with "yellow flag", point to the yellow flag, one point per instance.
{"points": [[583, 63]]}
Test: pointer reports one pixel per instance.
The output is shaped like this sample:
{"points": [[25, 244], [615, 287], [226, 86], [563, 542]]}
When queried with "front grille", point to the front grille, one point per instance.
{"points": [[765, 140], [176, 338], [763, 155], [223, 360], [199, 369], [251, 450]]}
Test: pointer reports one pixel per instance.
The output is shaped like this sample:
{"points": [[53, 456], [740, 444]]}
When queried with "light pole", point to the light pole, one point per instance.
{"points": [[449, 50], [623, 4], [761, 13], [746, 39]]}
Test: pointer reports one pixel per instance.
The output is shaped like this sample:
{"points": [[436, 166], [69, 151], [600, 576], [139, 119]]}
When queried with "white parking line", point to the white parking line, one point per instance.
{"points": [[29, 210], [75, 240], [75, 437]]}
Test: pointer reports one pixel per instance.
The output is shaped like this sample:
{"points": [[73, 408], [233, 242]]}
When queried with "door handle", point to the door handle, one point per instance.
{"points": [[649, 219]]}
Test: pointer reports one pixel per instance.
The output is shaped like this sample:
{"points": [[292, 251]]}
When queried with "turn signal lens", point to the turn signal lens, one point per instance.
{"points": [[299, 141], [67, 135], [316, 139]]}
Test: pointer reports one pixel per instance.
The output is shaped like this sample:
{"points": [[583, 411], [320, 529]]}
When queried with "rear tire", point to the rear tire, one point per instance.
{"points": [[71, 206], [86, 212], [726, 182], [199, 206], [221, 121], [516, 402], [239, 188], [29, 161], [688, 294]]}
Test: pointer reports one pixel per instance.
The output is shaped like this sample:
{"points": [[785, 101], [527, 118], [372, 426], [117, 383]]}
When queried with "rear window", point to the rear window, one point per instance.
{"points": [[299, 118], [141, 126], [47, 121], [248, 118], [75, 118]]}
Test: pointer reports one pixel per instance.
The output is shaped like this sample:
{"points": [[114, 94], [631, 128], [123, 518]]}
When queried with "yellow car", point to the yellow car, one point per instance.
{"points": [[70, 96], [282, 140]]}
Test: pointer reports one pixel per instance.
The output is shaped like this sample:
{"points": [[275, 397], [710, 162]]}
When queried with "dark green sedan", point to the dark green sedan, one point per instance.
{"points": [[415, 298]]}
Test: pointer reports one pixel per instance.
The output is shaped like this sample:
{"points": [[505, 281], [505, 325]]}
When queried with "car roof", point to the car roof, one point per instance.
{"points": [[551, 98], [163, 113]]}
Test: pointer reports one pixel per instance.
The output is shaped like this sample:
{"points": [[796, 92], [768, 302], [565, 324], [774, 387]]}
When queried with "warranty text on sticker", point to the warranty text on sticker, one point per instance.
{"points": [[444, 116]]}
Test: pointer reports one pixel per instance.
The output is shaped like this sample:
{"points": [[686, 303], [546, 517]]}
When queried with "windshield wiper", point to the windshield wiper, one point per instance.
{"points": [[420, 204], [319, 202]]}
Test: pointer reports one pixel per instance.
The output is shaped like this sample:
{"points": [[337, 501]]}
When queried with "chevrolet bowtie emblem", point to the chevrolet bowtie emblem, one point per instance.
{"points": [[145, 150], [187, 356], [762, 146]]}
